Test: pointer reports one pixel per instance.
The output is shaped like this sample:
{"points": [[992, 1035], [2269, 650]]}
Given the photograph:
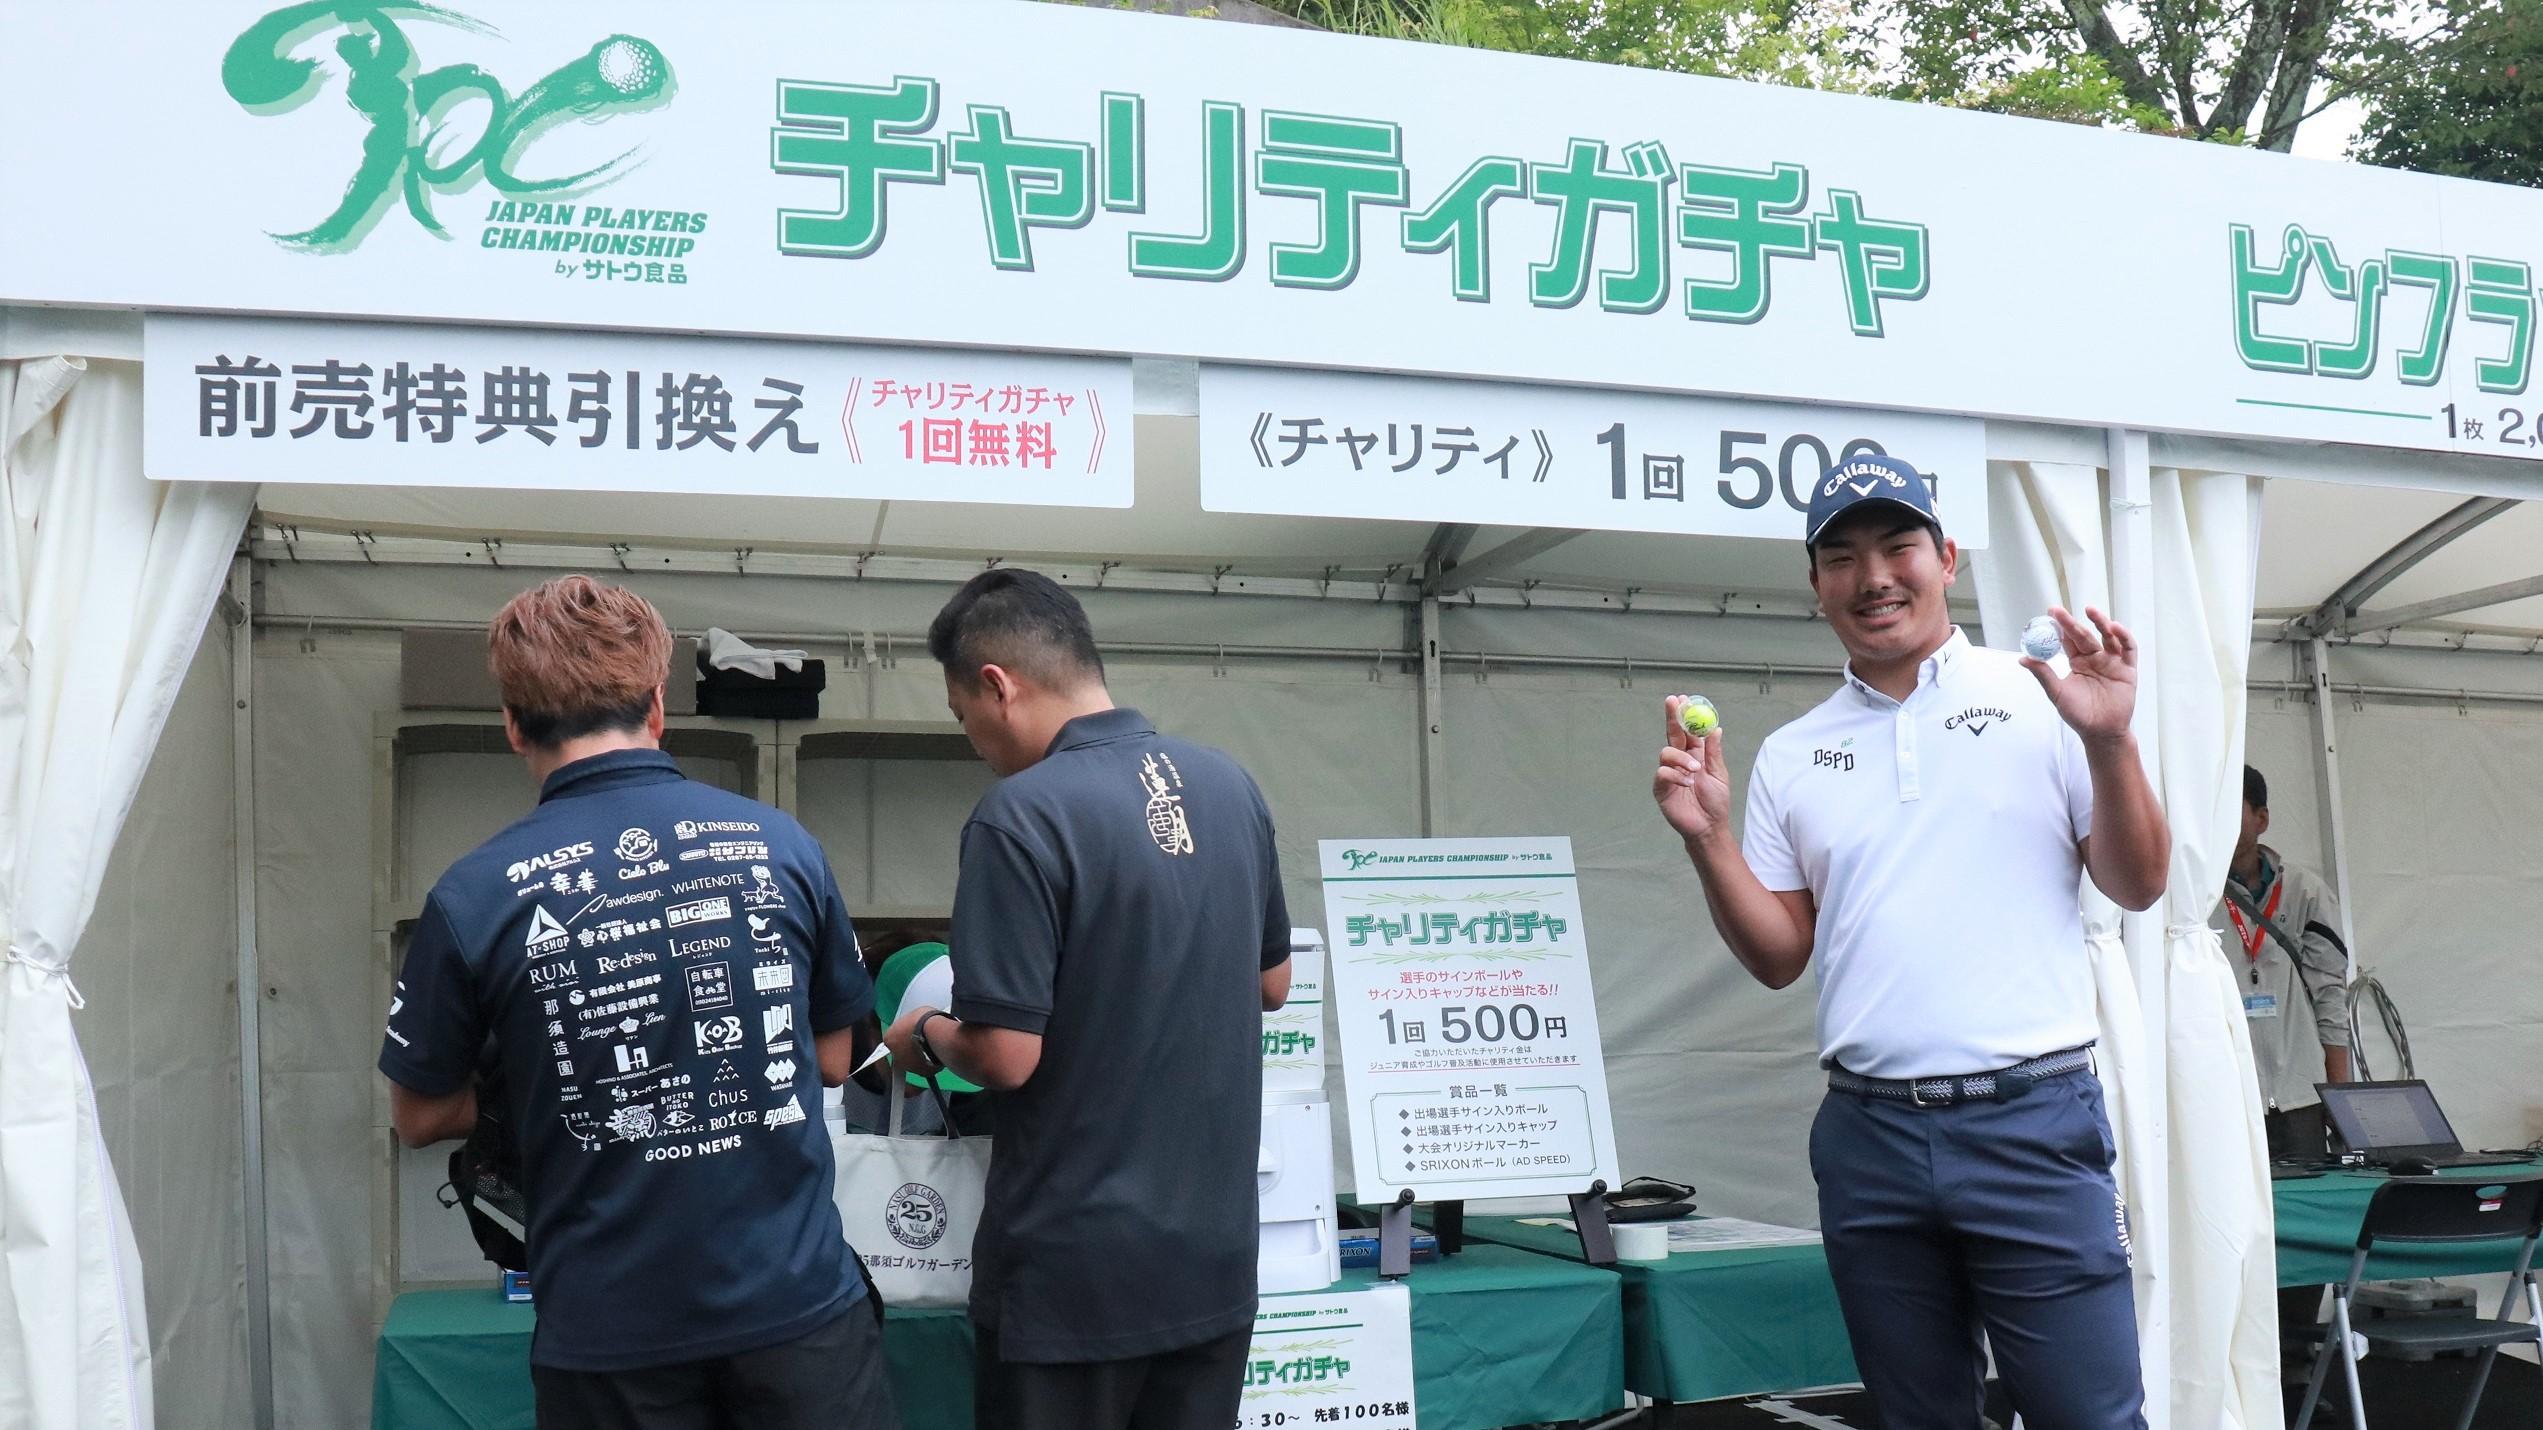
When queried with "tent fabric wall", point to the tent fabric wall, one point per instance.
{"points": [[1334, 748], [1713, 1077], [2445, 866], [105, 582], [320, 1031], [2445, 895], [2224, 1363], [158, 966], [2200, 1182], [2050, 549]]}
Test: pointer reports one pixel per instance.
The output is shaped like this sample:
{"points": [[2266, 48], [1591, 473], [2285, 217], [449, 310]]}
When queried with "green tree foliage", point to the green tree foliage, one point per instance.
{"points": [[2474, 108], [1796, 42], [2249, 71], [2233, 71]]}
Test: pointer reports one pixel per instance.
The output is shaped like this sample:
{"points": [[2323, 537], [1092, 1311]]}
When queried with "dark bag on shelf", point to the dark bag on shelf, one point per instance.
{"points": [[739, 695]]}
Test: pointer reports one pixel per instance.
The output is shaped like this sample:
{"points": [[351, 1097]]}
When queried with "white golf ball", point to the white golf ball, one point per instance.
{"points": [[2041, 640], [625, 66]]}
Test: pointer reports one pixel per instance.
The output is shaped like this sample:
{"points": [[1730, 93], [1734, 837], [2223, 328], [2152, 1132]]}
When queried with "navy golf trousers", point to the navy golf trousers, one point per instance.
{"points": [[1994, 1217]]}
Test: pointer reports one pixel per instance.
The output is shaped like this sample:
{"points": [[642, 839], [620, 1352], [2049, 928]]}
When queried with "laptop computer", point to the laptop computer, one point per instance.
{"points": [[2397, 1121]]}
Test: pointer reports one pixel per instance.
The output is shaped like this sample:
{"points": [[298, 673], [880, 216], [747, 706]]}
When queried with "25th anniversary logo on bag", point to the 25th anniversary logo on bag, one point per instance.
{"points": [[916, 1216]]}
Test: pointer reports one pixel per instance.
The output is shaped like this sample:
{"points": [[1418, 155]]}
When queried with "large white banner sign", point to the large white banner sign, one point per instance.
{"points": [[1331, 1358], [277, 400], [1460, 983], [1058, 178], [1423, 449]]}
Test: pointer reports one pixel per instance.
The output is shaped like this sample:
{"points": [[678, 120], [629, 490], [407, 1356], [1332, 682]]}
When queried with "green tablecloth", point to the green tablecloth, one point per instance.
{"points": [[1505, 1337], [1500, 1337], [2318, 1220], [1706, 1324], [460, 1360]]}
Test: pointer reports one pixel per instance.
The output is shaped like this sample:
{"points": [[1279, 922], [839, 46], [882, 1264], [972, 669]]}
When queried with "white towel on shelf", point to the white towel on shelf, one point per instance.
{"points": [[727, 651]]}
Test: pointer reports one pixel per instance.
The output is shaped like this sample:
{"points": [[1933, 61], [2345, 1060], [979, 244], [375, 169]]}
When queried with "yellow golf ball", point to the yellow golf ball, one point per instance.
{"points": [[1698, 716]]}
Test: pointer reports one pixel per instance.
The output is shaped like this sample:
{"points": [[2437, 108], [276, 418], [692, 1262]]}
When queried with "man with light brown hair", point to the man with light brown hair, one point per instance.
{"points": [[662, 969]]}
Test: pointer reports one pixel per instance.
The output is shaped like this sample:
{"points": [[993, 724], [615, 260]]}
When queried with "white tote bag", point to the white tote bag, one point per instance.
{"points": [[911, 1205]]}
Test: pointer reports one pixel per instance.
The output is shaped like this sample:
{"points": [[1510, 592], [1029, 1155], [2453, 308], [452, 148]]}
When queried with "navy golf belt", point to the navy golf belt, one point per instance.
{"points": [[2002, 1085]]}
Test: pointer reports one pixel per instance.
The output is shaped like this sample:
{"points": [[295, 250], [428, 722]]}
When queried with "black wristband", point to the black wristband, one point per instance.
{"points": [[918, 1034]]}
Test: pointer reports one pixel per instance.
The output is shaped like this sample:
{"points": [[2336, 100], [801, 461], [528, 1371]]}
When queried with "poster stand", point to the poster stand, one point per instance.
{"points": [[1448, 1224], [1395, 1238], [1589, 1217]]}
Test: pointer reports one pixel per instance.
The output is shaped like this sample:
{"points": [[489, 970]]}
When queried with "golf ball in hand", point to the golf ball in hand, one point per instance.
{"points": [[1698, 716], [2040, 639]]}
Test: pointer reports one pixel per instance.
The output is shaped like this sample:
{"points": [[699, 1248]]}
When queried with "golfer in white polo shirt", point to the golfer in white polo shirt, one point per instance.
{"points": [[1922, 836]]}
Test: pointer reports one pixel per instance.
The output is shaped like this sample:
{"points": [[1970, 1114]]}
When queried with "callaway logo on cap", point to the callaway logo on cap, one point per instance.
{"points": [[1868, 479]]}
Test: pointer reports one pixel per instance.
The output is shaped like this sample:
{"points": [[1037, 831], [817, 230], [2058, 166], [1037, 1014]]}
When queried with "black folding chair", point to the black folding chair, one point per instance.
{"points": [[2427, 1210]]}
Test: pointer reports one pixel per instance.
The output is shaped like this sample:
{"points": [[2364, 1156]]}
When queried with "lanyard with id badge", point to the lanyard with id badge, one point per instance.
{"points": [[2256, 1004]]}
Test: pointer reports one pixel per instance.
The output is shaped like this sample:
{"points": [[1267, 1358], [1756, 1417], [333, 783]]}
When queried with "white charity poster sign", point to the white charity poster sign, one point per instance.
{"points": [[1331, 1358], [1299, 443], [1460, 981], [278, 400], [1293, 1034]]}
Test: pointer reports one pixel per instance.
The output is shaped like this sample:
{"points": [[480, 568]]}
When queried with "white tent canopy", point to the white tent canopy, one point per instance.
{"points": [[1517, 606], [1466, 672], [1585, 632]]}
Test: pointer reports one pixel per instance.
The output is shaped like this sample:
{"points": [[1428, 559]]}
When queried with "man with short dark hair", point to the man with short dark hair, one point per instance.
{"points": [[2297, 1007], [1119, 928], [1924, 833], [663, 968]]}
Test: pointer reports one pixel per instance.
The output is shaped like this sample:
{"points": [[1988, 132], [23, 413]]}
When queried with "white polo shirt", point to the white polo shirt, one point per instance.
{"points": [[1939, 839]]}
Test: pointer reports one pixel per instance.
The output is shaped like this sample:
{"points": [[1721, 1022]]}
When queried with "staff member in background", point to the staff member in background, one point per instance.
{"points": [[660, 964], [2297, 1008], [1923, 833], [1118, 929]]}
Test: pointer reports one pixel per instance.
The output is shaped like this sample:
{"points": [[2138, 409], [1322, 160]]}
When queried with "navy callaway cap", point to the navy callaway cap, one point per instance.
{"points": [[1858, 480]]}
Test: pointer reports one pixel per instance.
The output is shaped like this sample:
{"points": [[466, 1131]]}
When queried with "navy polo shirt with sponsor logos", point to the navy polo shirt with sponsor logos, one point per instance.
{"points": [[652, 957], [1121, 898]]}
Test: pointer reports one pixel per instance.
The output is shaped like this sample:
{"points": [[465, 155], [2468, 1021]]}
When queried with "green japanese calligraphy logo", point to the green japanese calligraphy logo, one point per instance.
{"points": [[1335, 189], [1290, 1368], [2433, 288], [412, 145]]}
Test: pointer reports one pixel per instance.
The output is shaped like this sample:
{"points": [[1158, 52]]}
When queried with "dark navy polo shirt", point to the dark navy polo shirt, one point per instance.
{"points": [[1122, 899], [653, 957]]}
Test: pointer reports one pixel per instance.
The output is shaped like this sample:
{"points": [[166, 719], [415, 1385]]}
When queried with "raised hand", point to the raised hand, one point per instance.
{"points": [[1692, 785], [2098, 693]]}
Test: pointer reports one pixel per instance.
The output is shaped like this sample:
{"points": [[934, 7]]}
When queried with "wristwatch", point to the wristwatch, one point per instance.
{"points": [[918, 1034]]}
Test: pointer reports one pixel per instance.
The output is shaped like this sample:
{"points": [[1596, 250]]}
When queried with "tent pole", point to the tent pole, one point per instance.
{"points": [[251, 982], [1434, 722], [2316, 655]]}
